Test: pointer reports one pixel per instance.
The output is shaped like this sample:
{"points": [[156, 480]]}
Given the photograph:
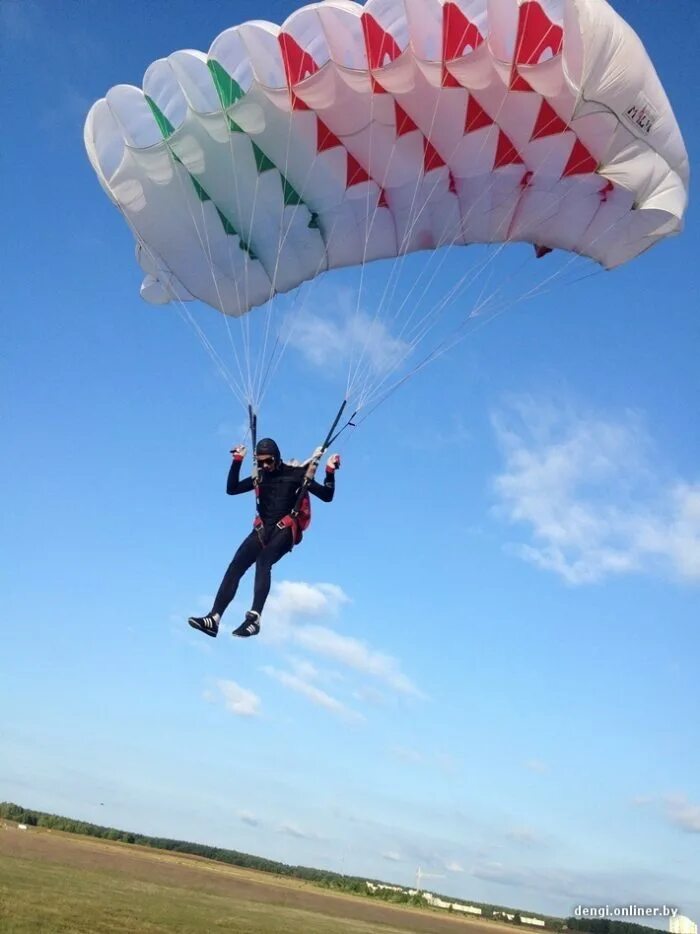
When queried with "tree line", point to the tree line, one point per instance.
{"points": [[323, 877], [608, 926], [33, 818]]}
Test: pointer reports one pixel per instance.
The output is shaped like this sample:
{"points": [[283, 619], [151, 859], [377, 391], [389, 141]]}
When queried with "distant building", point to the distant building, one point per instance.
{"points": [[533, 922], [467, 909], [436, 902], [389, 888], [682, 925]]}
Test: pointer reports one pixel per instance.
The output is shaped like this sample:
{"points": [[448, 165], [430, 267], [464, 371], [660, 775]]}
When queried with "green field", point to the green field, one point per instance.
{"points": [[40, 897], [55, 882]]}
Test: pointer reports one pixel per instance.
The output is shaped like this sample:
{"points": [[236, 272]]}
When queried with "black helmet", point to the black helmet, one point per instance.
{"points": [[268, 447]]}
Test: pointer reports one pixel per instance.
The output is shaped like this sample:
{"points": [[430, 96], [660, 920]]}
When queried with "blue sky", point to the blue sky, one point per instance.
{"points": [[482, 661]]}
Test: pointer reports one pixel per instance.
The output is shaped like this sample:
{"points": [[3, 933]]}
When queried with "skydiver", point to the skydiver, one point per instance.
{"points": [[275, 530]]}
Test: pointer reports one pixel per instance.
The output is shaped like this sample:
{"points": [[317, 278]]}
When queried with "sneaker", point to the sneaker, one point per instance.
{"points": [[205, 624], [250, 625]]}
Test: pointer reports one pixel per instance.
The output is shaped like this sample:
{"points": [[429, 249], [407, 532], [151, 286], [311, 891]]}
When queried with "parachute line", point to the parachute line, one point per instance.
{"points": [[452, 148], [402, 251], [206, 249], [236, 388]]}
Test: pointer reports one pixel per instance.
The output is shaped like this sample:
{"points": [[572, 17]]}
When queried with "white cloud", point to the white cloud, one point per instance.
{"points": [[341, 335], [676, 808], [588, 491], [247, 818], [683, 814], [407, 755], [357, 655], [292, 603], [453, 866], [523, 836], [306, 670], [536, 765], [237, 699], [392, 856], [293, 830], [370, 695], [583, 886], [314, 694], [290, 600]]}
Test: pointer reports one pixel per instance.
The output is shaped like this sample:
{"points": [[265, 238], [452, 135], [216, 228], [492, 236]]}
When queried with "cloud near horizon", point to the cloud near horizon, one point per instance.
{"points": [[393, 857], [572, 886], [291, 829], [676, 809], [682, 813], [247, 818], [523, 836]]}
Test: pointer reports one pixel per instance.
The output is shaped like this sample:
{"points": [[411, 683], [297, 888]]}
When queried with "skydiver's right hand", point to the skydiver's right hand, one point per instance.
{"points": [[239, 452]]}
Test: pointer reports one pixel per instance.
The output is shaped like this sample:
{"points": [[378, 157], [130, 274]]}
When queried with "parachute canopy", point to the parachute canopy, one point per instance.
{"points": [[352, 133]]}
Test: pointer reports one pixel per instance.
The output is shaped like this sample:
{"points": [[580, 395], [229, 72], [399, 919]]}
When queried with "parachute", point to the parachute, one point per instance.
{"points": [[355, 133]]}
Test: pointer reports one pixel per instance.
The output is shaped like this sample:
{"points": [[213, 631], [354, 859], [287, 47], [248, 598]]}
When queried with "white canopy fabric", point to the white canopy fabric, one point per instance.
{"points": [[353, 132]]}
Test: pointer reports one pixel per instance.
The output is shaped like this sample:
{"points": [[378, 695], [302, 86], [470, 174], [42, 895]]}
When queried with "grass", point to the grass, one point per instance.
{"points": [[38, 897]]}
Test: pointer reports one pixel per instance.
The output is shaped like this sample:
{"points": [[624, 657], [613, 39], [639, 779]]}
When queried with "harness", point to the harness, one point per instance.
{"points": [[298, 521], [300, 517], [286, 522]]}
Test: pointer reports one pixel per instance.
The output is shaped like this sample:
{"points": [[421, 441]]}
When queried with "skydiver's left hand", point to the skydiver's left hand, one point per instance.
{"points": [[333, 463]]}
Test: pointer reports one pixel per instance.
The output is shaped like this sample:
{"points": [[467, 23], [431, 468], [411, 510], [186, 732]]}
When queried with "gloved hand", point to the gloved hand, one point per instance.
{"points": [[239, 452], [317, 455], [333, 463]]}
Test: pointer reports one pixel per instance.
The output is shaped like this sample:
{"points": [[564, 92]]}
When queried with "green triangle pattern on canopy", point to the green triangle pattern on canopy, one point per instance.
{"points": [[164, 125], [228, 89], [230, 92], [262, 162], [167, 129]]}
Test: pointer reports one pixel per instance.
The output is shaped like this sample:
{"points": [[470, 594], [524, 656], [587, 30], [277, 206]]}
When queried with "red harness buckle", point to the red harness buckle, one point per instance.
{"points": [[289, 522], [286, 522]]}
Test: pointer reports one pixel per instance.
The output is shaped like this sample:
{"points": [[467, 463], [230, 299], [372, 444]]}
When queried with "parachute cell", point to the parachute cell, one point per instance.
{"points": [[352, 133]]}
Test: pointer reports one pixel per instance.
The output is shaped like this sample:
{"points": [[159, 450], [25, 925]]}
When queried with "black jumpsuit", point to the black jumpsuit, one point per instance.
{"points": [[277, 496]]}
